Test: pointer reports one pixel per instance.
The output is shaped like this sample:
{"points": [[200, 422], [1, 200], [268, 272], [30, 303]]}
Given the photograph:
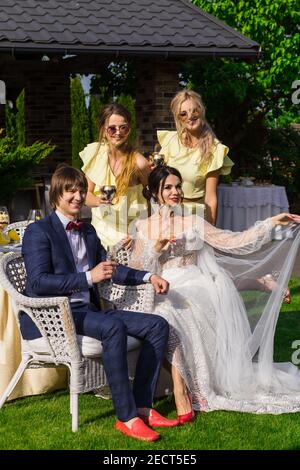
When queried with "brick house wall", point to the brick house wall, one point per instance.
{"points": [[157, 83], [48, 115]]}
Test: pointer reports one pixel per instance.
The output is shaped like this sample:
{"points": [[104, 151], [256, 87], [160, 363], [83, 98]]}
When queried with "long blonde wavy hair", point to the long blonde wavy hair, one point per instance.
{"points": [[129, 167], [207, 136]]}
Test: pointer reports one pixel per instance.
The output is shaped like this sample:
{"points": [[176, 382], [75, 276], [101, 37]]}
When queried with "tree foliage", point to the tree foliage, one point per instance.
{"points": [[245, 98], [80, 121], [118, 79], [15, 119], [20, 118], [274, 24], [95, 106], [283, 146]]}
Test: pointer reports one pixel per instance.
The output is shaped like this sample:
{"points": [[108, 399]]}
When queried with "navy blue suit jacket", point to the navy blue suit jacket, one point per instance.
{"points": [[50, 264]]}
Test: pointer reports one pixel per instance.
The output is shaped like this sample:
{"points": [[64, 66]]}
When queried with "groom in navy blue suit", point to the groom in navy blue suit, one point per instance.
{"points": [[64, 257]]}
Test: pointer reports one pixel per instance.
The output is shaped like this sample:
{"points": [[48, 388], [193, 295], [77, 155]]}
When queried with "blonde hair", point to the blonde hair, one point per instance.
{"points": [[207, 136], [129, 166]]}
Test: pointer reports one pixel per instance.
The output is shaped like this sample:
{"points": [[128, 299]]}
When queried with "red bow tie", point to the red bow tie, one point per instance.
{"points": [[72, 225]]}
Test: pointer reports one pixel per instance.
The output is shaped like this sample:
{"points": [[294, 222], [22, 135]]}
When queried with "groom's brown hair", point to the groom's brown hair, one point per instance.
{"points": [[65, 178]]}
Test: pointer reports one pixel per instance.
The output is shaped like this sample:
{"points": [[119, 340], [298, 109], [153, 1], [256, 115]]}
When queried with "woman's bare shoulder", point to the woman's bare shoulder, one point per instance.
{"points": [[142, 162]]}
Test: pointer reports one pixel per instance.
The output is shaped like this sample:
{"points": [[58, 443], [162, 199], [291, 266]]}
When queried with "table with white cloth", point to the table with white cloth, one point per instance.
{"points": [[239, 207], [33, 381]]}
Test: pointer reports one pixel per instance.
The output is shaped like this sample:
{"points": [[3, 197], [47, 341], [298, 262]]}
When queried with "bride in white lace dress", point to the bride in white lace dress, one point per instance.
{"points": [[225, 294]]}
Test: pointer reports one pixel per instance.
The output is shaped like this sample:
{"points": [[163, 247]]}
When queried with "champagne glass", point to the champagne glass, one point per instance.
{"points": [[35, 215], [4, 218], [109, 192], [172, 237], [172, 249], [111, 255]]}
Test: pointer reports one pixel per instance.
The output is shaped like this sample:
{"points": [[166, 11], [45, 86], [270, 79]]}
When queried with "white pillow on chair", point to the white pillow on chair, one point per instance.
{"points": [[89, 347]]}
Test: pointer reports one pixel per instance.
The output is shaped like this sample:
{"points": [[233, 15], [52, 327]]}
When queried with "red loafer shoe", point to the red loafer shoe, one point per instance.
{"points": [[156, 420], [138, 430]]}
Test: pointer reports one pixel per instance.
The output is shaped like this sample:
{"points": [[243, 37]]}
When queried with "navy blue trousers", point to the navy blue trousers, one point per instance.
{"points": [[111, 328]]}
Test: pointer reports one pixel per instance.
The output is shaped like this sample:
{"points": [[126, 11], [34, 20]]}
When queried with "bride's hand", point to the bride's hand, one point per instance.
{"points": [[160, 244], [161, 286], [285, 218], [166, 232], [127, 242]]}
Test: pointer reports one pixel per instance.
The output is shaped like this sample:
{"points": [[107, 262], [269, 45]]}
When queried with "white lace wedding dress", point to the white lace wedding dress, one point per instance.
{"points": [[221, 337]]}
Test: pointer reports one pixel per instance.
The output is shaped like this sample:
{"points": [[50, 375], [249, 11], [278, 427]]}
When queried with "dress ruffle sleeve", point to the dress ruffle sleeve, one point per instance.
{"points": [[220, 160], [169, 142], [164, 137], [93, 160]]}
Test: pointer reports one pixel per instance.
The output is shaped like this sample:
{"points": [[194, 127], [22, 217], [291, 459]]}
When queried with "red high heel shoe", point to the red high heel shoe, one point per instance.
{"points": [[187, 417]]}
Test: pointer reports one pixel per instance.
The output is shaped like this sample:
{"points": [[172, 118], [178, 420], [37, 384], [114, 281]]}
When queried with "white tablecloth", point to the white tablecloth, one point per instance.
{"points": [[239, 207]]}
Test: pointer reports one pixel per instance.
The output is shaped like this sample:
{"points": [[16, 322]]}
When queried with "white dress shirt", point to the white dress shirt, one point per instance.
{"points": [[78, 248]]}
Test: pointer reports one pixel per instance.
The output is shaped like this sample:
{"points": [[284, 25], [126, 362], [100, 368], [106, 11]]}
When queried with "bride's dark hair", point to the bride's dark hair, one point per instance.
{"points": [[157, 179]]}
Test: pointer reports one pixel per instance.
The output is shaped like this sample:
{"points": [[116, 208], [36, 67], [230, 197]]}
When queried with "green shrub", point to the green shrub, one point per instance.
{"points": [[17, 163], [283, 147]]}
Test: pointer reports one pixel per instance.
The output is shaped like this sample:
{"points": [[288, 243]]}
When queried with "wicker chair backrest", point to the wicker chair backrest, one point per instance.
{"points": [[134, 298], [16, 273]]}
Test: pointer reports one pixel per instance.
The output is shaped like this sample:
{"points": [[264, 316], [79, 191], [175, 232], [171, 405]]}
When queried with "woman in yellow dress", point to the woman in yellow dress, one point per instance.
{"points": [[195, 151], [113, 161]]}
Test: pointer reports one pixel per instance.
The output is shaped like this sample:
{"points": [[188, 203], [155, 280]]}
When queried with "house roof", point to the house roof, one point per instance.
{"points": [[132, 27]]}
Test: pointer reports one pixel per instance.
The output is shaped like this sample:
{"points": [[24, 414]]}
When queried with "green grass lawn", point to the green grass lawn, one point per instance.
{"points": [[43, 422]]}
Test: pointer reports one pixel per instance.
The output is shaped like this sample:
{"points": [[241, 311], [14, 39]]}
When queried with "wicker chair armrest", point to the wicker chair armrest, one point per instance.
{"points": [[39, 302], [133, 298], [54, 320]]}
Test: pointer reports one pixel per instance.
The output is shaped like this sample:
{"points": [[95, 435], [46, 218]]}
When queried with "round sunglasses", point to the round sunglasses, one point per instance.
{"points": [[123, 130], [192, 116]]}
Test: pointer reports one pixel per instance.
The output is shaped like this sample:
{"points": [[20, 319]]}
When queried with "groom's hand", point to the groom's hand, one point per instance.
{"points": [[161, 286], [103, 271]]}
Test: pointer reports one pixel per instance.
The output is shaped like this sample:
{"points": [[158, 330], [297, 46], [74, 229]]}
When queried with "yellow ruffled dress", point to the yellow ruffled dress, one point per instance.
{"points": [[111, 222], [188, 162], [193, 170]]}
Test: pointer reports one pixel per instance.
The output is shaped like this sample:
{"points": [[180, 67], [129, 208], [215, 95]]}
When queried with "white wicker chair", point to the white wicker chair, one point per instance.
{"points": [[59, 344], [134, 298], [19, 227]]}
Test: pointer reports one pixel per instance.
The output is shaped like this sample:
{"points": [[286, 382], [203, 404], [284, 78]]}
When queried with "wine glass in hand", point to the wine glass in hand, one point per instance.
{"points": [[109, 192], [172, 237], [111, 255], [158, 159]]}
